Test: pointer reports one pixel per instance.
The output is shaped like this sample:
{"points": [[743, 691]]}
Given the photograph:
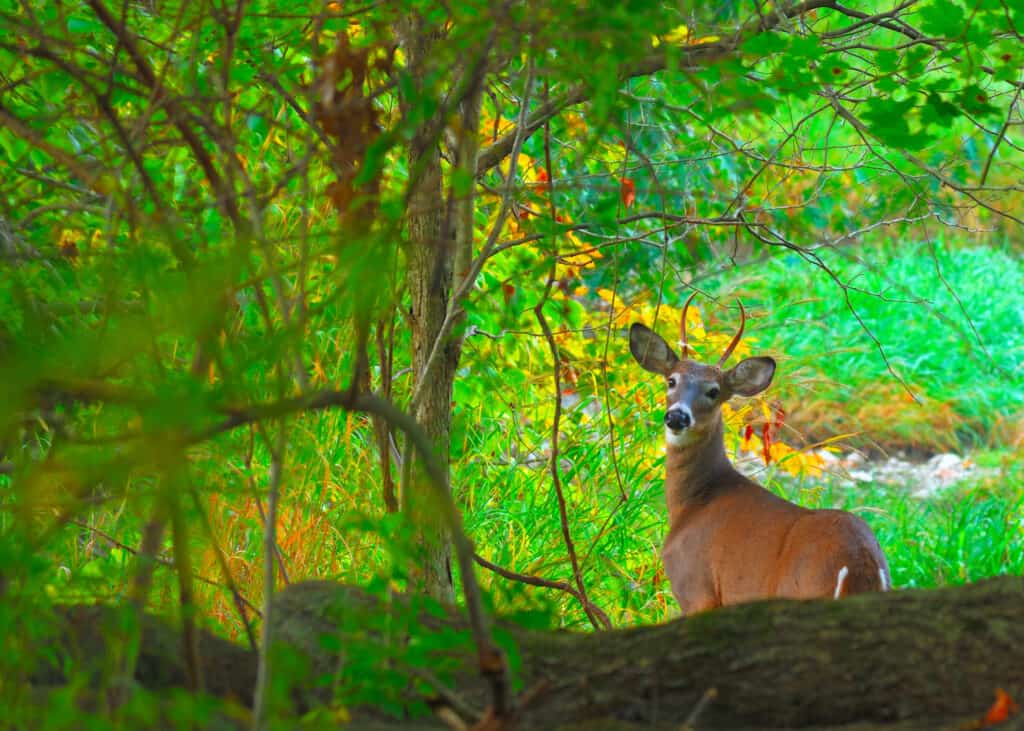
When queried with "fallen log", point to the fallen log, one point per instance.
{"points": [[907, 659]]}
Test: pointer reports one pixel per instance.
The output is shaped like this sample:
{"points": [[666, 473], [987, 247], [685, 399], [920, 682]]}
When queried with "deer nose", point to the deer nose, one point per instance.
{"points": [[677, 419]]}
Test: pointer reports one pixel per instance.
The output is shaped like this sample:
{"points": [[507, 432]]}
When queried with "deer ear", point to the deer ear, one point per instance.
{"points": [[650, 350], [750, 377]]}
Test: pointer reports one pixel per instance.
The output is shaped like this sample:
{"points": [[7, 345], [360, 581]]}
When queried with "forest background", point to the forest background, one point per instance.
{"points": [[253, 253]]}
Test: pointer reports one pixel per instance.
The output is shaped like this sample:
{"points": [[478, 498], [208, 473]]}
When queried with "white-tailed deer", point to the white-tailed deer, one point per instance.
{"points": [[730, 540]]}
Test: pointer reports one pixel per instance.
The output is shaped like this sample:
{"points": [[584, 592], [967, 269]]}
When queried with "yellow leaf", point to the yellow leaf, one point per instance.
{"points": [[575, 124], [679, 36]]}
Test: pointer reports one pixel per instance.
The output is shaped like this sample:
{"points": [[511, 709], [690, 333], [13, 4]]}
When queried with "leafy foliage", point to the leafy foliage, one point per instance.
{"points": [[215, 219]]}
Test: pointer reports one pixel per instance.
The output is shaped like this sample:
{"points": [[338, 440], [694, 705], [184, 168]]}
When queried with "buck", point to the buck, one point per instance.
{"points": [[731, 540]]}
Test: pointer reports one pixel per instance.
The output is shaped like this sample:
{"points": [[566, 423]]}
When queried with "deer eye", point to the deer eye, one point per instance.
{"points": [[672, 382], [712, 393]]}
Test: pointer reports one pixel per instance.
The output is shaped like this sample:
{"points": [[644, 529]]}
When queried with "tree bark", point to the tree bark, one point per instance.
{"points": [[907, 659], [878, 658], [429, 278]]}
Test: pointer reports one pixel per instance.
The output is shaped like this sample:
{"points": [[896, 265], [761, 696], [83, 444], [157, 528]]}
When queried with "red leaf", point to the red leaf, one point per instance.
{"points": [[542, 180], [1001, 709], [766, 442], [628, 192], [748, 433]]}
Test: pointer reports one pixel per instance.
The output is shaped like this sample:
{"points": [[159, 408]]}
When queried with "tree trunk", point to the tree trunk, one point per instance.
{"points": [[880, 658], [429, 278], [910, 659]]}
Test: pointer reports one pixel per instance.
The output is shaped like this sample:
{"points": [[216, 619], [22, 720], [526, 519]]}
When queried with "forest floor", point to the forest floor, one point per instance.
{"points": [[923, 478]]}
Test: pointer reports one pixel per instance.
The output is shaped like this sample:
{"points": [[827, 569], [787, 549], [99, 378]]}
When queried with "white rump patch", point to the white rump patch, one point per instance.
{"points": [[840, 581], [884, 579]]}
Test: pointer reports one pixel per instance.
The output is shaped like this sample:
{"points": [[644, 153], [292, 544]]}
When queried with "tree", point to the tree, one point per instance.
{"points": [[901, 660]]}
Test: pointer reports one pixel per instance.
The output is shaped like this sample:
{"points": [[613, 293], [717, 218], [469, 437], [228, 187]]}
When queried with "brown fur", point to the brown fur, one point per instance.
{"points": [[730, 540]]}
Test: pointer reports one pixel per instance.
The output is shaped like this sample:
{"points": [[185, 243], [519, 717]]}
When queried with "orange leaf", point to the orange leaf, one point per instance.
{"points": [[628, 192], [1001, 709], [542, 180]]}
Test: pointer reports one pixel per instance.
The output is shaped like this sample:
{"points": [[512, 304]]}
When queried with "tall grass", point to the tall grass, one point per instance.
{"points": [[332, 524], [947, 320], [965, 533]]}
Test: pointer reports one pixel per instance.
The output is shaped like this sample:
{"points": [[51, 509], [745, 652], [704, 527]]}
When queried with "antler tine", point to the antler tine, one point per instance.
{"points": [[736, 339], [682, 325]]}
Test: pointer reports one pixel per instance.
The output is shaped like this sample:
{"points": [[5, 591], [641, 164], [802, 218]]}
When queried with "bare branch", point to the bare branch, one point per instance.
{"points": [[700, 54], [539, 581]]}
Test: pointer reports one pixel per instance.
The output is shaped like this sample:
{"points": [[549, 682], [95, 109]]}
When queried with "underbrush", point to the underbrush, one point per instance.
{"points": [[946, 319], [964, 533], [969, 531], [331, 523]]}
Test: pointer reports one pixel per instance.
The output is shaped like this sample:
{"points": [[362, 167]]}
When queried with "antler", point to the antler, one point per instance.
{"points": [[736, 339], [682, 325]]}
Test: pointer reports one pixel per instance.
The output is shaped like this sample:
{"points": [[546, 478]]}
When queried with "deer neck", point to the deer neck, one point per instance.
{"points": [[695, 471]]}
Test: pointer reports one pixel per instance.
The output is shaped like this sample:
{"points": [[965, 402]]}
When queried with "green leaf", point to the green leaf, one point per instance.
{"points": [[937, 110], [943, 19], [888, 121], [84, 24], [764, 44], [976, 101]]}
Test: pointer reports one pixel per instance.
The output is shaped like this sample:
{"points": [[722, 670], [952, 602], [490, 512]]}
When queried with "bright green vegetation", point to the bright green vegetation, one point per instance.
{"points": [[961, 533], [231, 234], [948, 317], [964, 533]]}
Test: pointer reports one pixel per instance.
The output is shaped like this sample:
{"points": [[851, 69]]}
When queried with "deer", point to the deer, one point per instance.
{"points": [[730, 540]]}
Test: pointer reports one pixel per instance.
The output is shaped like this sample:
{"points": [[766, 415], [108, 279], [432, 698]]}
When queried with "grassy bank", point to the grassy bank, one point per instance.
{"points": [[946, 319]]}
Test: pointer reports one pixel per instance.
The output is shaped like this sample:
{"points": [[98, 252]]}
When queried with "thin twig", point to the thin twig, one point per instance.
{"points": [[162, 560], [186, 596], [705, 700], [259, 716], [239, 601], [1000, 136], [259, 505], [556, 479], [540, 581], [492, 662]]}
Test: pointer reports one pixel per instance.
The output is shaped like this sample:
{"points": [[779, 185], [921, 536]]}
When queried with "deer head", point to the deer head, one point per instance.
{"points": [[695, 392]]}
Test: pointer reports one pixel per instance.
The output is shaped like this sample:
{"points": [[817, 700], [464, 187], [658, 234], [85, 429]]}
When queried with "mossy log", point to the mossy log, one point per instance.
{"points": [[907, 659]]}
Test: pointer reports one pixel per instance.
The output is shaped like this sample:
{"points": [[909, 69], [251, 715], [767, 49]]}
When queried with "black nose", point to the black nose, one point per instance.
{"points": [[677, 419]]}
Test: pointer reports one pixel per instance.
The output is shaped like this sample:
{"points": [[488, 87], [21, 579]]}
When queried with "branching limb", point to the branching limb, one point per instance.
{"points": [[540, 581]]}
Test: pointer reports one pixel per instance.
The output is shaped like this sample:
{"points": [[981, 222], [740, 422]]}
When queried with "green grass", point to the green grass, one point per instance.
{"points": [[965, 533], [831, 378], [948, 319], [968, 532]]}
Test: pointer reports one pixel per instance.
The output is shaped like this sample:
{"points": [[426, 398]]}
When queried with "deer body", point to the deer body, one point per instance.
{"points": [[731, 540]]}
